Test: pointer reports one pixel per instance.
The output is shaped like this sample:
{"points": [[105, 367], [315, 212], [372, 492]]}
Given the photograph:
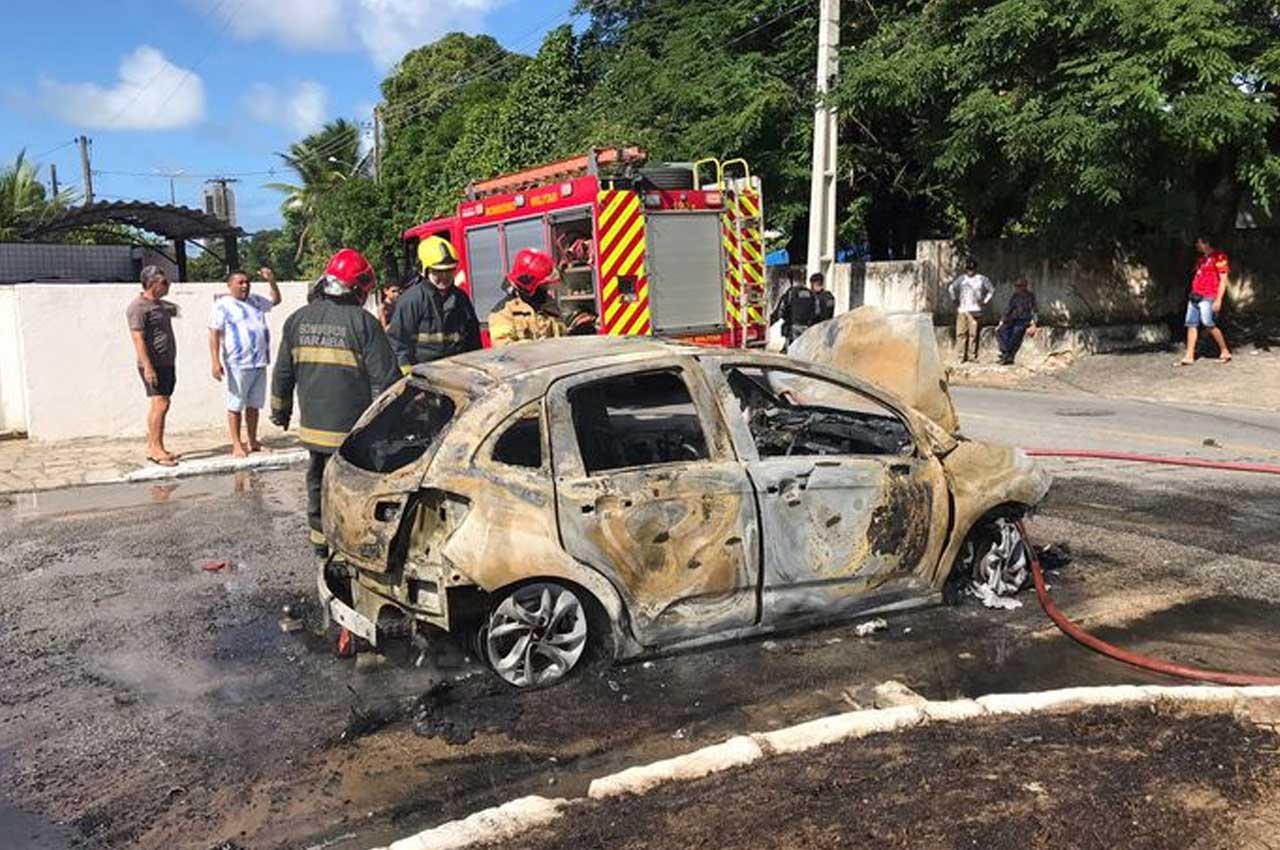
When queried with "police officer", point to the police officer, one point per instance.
{"points": [[434, 318], [336, 355], [824, 301], [797, 310], [529, 311]]}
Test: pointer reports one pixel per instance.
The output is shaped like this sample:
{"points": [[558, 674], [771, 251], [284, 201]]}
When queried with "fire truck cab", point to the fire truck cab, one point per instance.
{"points": [[674, 250]]}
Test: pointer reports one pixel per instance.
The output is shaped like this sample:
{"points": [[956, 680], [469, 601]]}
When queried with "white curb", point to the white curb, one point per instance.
{"points": [[513, 819], [636, 780], [215, 465], [497, 824]]}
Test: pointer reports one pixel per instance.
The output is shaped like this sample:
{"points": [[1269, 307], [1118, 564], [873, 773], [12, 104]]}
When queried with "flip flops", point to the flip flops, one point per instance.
{"points": [[163, 461]]}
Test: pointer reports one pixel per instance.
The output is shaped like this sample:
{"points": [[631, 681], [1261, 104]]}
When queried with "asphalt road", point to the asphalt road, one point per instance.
{"points": [[146, 702], [1041, 420]]}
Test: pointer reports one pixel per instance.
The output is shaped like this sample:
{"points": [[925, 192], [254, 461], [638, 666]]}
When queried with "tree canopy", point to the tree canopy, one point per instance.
{"points": [[1071, 120]]}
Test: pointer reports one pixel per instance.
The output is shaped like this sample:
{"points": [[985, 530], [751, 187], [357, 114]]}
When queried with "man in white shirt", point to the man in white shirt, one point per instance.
{"points": [[239, 346], [971, 292]]}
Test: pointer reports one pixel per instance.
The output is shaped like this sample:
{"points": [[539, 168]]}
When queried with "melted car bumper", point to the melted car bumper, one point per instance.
{"points": [[337, 611]]}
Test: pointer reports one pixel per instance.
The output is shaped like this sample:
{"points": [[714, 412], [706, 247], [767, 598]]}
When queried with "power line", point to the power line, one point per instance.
{"points": [[182, 174], [65, 144]]}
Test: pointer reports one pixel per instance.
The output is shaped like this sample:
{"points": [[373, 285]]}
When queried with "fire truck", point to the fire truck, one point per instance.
{"points": [[673, 250]]}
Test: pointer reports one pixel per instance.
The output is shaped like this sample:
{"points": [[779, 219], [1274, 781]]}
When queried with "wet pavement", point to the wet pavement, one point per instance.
{"points": [[149, 702]]}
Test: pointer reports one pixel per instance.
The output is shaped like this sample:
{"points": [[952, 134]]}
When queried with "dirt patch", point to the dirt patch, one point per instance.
{"points": [[1108, 778]]}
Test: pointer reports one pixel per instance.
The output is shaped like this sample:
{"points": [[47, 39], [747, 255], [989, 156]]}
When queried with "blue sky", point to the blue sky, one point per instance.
{"points": [[214, 87]]}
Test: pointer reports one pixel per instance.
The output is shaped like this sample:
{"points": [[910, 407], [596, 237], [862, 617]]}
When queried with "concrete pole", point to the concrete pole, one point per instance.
{"points": [[86, 170], [377, 143], [822, 196], [53, 179]]}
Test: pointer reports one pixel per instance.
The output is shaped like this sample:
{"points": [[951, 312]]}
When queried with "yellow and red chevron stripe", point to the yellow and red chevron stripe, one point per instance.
{"points": [[620, 254]]}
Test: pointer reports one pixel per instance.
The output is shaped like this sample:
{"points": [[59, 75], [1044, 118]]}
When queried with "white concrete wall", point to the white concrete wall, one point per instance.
{"points": [[80, 376], [13, 401]]}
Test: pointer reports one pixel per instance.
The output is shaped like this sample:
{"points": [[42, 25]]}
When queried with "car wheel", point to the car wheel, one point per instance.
{"points": [[536, 634], [996, 557]]}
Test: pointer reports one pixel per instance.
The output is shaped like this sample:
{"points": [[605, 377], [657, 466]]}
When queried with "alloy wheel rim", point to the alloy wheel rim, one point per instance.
{"points": [[536, 635]]}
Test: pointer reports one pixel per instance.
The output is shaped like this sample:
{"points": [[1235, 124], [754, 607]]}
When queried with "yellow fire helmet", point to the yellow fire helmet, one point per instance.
{"points": [[436, 253]]}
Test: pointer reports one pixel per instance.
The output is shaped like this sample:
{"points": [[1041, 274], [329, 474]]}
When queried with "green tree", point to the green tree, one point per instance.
{"points": [[430, 100], [23, 200], [322, 161], [1072, 119]]}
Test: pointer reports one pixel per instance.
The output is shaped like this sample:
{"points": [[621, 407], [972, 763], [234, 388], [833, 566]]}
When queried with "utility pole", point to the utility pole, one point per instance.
{"points": [[87, 172], [53, 181], [822, 194], [377, 143]]}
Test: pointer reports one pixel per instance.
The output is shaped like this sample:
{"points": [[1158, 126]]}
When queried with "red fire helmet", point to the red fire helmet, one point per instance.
{"points": [[348, 271], [531, 270]]}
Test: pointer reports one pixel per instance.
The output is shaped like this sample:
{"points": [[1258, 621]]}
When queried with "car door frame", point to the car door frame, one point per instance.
{"points": [[731, 565], [810, 594]]}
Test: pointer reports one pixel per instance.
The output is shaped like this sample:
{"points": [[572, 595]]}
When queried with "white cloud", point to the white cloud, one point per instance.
{"points": [[302, 107], [151, 93], [385, 29], [303, 24]]}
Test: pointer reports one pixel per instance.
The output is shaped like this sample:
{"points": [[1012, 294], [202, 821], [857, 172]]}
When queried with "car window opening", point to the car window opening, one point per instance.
{"points": [[521, 443], [797, 415], [401, 433], [636, 420]]}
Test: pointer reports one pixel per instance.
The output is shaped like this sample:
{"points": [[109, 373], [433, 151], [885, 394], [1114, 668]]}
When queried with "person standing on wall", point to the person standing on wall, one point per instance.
{"points": [[151, 328], [1019, 320], [971, 292], [434, 318], [240, 348], [797, 309], [1205, 301], [337, 357], [529, 312], [824, 301]]}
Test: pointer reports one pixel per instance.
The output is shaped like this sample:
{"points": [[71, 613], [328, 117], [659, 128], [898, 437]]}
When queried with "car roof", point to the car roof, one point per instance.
{"points": [[580, 353]]}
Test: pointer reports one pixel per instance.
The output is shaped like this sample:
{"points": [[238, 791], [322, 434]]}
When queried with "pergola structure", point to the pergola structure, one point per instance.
{"points": [[180, 224]]}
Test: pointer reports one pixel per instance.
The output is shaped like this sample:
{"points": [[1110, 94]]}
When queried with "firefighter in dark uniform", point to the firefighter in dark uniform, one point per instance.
{"points": [[824, 301], [336, 355], [434, 318], [797, 310], [529, 311]]}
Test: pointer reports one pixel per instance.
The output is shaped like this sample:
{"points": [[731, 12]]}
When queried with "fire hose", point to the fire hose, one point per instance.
{"points": [[1134, 659]]}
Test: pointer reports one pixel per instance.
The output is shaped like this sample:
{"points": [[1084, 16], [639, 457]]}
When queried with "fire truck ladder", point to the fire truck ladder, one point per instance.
{"points": [[744, 244]]}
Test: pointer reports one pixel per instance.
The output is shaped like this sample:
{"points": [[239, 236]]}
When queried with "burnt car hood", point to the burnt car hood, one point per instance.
{"points": [[897, 353]]}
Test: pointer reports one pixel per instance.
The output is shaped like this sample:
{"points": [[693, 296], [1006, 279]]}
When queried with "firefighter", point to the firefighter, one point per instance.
{"points": [[336, 355], [529, 311], [797, 309], [433, 318]]}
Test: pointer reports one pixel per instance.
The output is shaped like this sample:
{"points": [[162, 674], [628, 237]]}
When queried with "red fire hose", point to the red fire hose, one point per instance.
{"points": [[1134, 659]]}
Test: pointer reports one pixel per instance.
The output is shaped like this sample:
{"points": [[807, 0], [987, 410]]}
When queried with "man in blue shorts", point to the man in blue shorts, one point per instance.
{"points": [[240, 347]]}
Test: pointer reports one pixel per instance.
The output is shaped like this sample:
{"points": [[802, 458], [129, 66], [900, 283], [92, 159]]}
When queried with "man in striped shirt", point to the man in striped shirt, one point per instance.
{"points": [[240, 348]]}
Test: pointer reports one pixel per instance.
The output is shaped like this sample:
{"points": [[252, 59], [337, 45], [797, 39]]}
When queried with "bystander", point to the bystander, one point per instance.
{"points": [[240, 348], [1019, 320], [971, 292], [151, 328], [1204, 303]]}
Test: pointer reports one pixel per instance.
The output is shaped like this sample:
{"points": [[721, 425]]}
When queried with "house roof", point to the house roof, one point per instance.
{"points": [[166, 220]]}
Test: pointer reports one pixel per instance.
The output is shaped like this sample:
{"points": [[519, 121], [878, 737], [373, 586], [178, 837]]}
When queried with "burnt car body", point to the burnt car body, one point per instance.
{"points": [[642, 496]]}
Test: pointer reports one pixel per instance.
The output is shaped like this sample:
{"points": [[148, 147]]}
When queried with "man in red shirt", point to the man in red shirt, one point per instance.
{"points": [[1207, 288]]}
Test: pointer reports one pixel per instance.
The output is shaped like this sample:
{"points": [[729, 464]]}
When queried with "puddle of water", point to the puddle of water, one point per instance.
{"points": [[276, 487], [21, 830], [1227, 633]]}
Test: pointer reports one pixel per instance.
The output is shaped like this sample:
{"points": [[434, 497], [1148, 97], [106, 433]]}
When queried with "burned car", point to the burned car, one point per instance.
{"points": [[617, 496]]}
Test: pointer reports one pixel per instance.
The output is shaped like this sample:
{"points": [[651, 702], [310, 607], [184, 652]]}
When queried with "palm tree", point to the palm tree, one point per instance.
{"points": [[23, 202], [321, 161]]}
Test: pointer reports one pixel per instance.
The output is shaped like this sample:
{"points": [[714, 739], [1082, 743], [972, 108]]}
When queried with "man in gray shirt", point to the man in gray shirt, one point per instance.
{"points": [[971, 292], [151, 328]]}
